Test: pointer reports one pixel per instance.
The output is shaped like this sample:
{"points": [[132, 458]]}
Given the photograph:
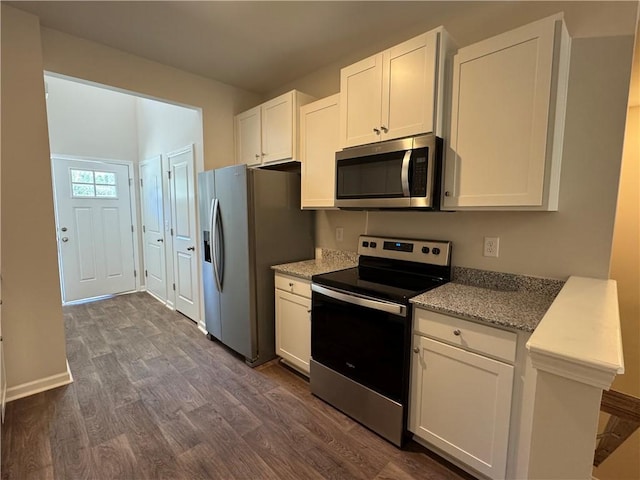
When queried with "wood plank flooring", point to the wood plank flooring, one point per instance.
{"points": [[152, 398]]}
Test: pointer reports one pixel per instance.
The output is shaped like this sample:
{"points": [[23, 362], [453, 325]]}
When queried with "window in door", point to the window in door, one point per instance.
{"points": [[93, 184]]}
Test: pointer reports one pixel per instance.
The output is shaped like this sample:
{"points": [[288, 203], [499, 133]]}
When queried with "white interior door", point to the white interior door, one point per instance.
{"points": [[185, 232], [151, 196], [94, 227]]}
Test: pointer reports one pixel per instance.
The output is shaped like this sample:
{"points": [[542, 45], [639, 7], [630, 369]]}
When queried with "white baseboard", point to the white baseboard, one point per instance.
{"points": [[40, 385], [202, 328]]}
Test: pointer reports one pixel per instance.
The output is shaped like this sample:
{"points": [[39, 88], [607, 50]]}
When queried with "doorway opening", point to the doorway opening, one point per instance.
{"points": [[116, 203]]}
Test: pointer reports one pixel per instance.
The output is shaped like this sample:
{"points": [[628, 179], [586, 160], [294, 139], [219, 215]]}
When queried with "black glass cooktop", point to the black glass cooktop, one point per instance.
{"points": [[394, 284]]}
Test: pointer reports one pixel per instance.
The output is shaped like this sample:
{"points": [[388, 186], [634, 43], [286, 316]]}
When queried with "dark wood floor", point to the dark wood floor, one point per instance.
{"points": [[153, 398]]}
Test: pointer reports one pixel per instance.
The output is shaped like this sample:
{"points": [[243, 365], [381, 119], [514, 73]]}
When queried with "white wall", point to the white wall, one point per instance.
{"points": [[85, 120], [32, 322], [72, 56], [162, 127]]}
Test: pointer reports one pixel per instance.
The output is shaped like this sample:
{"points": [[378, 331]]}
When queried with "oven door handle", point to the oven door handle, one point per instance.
{"points": [[361, 300]]}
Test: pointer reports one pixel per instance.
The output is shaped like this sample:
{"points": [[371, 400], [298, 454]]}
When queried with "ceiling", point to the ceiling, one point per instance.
{"points": [[260, 46]]}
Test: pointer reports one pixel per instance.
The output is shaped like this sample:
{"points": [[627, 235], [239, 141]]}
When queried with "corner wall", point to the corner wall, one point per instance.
{"points": [[33, 327]]}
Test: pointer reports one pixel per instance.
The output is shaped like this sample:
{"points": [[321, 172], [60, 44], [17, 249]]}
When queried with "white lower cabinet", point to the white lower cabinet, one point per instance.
{"points": [[460, 399], [293, 321]]}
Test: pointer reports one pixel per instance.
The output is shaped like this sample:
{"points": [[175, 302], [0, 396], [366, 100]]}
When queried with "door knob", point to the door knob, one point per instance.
{"points": [[65, 239], [64, 229], [191, 248]]}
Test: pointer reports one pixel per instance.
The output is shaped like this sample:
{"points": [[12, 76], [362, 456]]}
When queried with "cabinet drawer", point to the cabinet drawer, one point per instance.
{"points": [[293, 285], [471, 336]]}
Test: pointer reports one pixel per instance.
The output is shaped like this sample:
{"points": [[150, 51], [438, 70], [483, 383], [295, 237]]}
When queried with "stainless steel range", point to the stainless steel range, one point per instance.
{"points": [[361, 329]]}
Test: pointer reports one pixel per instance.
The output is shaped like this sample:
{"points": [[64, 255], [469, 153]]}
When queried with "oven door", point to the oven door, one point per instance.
{"points": [[365, 339]]}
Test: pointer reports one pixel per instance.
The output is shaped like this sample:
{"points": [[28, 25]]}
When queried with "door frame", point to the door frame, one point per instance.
{"points": [[133, 205]]}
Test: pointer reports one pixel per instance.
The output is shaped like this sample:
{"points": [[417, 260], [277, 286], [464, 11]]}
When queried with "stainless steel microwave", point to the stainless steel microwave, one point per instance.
{"points": [[400, 174]]}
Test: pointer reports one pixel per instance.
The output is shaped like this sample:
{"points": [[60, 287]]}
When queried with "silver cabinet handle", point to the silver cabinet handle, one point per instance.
{"points": [[191, 249], [65, 239], [64, 229], [457, 332], [447, 193], [160, 240], [416, 350], [290, 284], [377, 131], [257, 155], [384, 129]]}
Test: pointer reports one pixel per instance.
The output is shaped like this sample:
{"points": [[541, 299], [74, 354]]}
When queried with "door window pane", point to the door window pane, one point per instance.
{"points": [[93, 184]]}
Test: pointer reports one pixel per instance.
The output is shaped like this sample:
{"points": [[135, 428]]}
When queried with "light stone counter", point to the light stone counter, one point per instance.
{"points": [[328, 261], [513, 301]]}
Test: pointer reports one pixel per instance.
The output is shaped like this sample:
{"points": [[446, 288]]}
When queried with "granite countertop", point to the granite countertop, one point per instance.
{"points": [[328, 261], [513, 301]]}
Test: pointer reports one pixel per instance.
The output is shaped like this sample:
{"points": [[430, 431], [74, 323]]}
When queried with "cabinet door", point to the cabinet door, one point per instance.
{"points": [[293, 329], [500, 119], [248, 148], [319, 142], [277, 128], [361, 102], [461, 403], [408, 87]]}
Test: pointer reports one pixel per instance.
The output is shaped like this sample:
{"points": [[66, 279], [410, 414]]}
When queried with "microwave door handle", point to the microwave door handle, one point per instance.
{"points": [[406, 162]]}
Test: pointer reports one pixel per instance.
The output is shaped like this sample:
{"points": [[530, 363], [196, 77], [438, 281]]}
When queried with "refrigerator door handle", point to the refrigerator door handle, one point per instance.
{"points": [[211, 226], [215, 209]]}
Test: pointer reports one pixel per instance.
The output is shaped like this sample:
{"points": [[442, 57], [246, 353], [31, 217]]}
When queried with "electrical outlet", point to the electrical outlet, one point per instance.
{"points": [[491, 246], [339, 234]]}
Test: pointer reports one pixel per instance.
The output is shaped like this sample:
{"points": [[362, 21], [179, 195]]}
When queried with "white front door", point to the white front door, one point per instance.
{"points": [[94, 228], [185, 232], [153, 227]]}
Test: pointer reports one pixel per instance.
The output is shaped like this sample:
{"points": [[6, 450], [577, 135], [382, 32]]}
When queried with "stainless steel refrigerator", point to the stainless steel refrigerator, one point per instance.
{"points": [[250, 220]]}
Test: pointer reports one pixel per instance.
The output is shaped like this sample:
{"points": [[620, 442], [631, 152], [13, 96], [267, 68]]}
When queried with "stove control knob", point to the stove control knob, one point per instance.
{"points": [[435, 251], [365, 244], [373, 244], [425, 249]]}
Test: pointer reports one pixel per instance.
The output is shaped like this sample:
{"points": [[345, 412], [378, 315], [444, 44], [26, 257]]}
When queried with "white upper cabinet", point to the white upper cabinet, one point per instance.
{"points": [[319, 142], [507, 120], [268, 133], [248, 138], [395, 93]]}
